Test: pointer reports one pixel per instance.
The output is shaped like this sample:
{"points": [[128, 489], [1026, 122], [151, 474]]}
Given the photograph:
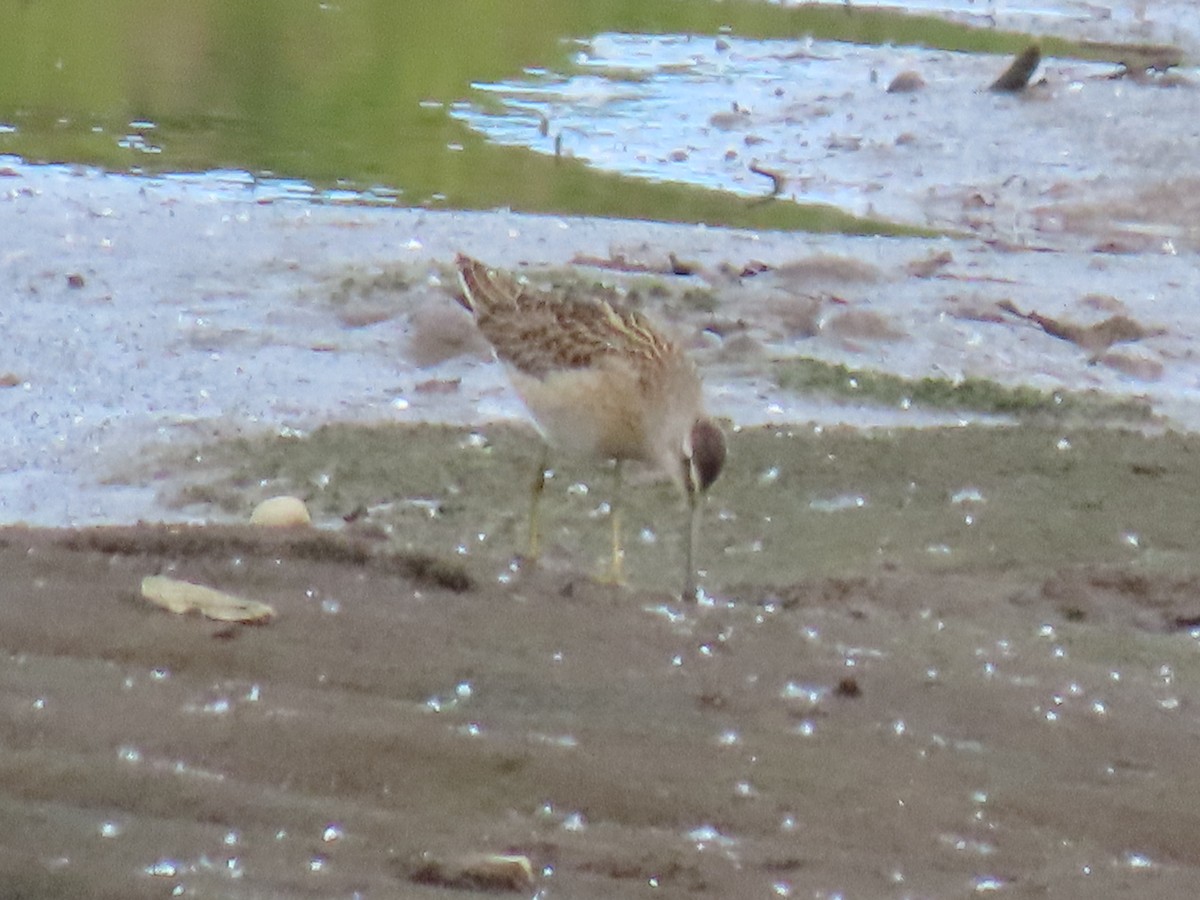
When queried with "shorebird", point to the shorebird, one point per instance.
{"points": [[601, 383]]}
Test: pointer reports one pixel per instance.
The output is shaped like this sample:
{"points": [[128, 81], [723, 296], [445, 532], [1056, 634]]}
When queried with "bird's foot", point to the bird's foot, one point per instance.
{"points": [[614, 574]]}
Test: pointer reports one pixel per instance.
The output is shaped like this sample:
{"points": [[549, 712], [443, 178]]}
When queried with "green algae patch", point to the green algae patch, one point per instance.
{"points": [[793, 502], [977, 395]]}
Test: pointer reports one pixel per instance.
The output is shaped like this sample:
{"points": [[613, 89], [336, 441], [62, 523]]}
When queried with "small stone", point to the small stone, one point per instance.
{"points": [[828, 268], [1133, 365], [848, 687], [440, 331], [75, 280], [281, 512], [727, 121], [907, 82], [490, 872], [863, 324], [741, 347], [439, 386], [930, 265], [1103, 302], [1016, 77]]}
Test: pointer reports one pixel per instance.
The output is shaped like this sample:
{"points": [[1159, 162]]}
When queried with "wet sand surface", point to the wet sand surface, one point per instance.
{"points": [[900, 734], [975, 678]]}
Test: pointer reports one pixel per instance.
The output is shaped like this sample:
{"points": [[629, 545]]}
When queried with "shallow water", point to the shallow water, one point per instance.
{"points": [[362, 99], [343, 97], [819, 116]]}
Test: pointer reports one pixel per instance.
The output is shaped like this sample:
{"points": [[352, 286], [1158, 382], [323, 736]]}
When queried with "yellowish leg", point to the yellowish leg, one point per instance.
{"points": [[616, 571], [535, 502]]}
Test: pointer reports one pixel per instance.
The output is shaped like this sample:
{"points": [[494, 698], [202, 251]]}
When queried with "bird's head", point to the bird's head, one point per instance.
{"points": [[703, 457]]}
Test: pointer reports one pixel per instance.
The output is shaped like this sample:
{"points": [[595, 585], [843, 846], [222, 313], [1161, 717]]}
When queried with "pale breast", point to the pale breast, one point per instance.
{"points": [[593, 412], [613, 410]]}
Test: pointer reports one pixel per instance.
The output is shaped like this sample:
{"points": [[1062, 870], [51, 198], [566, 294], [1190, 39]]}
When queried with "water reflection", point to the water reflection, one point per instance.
{"points": [[352, 102]]}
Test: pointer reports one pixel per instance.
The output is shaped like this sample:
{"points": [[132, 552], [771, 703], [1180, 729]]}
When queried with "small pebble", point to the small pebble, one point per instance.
{"points": [[492, 873], [281, 512], [906, 82]]}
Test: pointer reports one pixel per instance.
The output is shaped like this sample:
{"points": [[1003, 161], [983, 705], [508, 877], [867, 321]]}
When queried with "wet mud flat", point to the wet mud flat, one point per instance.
{"points": [[931, 720], [930, 661], [933, 661]]}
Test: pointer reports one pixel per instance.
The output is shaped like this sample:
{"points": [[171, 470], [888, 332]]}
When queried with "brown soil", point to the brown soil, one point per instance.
{"points": [[903, 733]]}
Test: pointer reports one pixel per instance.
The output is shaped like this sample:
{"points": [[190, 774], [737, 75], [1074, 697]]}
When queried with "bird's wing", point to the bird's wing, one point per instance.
{"points": [[538, 332]]}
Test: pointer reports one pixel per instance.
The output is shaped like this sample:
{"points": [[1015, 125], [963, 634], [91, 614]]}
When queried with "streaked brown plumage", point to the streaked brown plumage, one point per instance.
{"points": [[600, 382]]}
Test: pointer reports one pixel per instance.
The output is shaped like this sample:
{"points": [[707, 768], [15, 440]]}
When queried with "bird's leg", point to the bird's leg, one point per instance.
{"points": [[535, 498], [616, 568]]}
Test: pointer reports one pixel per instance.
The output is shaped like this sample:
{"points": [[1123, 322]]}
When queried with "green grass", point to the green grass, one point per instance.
{"points": [[979, 395]]}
